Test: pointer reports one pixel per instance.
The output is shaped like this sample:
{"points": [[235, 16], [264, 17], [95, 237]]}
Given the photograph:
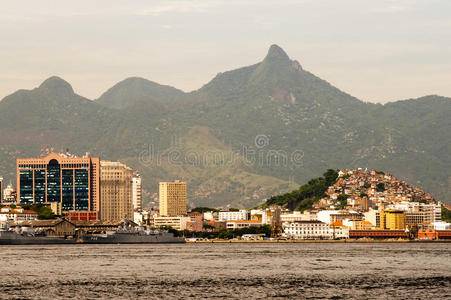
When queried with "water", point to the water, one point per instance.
{"points": [[255, 271]]}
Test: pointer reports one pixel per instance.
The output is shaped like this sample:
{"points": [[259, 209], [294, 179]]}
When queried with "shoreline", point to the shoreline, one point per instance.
{"points": [[317, 241]]}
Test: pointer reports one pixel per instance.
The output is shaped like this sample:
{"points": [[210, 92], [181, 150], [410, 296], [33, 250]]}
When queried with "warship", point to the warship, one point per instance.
{"points": [[125, 235], [134, 236]]}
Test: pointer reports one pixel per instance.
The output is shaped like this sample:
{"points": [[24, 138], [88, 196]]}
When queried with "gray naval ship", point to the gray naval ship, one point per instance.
{"points": [[124, 235], [135, 236]]}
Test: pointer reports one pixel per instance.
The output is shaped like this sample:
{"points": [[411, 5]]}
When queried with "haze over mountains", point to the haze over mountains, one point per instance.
{"points": [[246, 135]]}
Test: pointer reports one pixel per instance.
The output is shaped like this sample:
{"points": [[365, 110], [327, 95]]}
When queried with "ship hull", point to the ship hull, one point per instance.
{"points": [[133, 239], [17, 239], [12, 238]]}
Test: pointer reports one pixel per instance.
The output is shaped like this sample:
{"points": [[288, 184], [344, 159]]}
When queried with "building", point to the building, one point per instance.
{"points": [[17, 215], [196, 221], [137, 192], [1, 189], [268, 216], [358, 224], [56, 227], [393, 219], [178, 223], [172, 197], [417, 212], [374, 217], [441, 226], [378, 234], [242, 224], [116, 191], [298, 216], [240, 215], [307, 230], [338, 231], [72, 181], [331, 216], [9, 195]]}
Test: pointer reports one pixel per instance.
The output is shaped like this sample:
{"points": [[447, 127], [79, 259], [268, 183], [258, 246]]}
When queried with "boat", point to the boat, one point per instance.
{"points": [[124, 235], [136, 236], [14, 238]]}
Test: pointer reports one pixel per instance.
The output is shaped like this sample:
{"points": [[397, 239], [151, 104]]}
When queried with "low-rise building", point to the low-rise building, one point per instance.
{"points": [[441, 225], [298, 216], [17, 215], [338, 231], [178, 223], [238, 224], [307, 230], [196, 221], [358, 224], [240, 215]]}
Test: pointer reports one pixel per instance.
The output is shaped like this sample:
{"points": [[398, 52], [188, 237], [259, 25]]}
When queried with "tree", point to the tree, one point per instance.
{"points": [[380, 187], [308, 194], [44, 212], [446, 214], [202, 209], [342, 201]]}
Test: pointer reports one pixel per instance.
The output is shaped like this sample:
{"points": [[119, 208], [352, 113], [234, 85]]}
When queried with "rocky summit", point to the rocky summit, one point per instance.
{"points": [[248, 134]]}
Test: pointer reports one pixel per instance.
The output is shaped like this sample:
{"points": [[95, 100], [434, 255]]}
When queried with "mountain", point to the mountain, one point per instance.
{"points": [[248, 134], [134, 89]]}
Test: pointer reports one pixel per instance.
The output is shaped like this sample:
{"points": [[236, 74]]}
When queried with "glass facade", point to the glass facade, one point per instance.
{"points": [[39, 186], [57, 179], [53, 181], [81, 189], [68, 190], [26, 186]]}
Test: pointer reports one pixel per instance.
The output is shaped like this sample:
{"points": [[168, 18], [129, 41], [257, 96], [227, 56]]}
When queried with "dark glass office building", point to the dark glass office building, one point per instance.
{"points": [[71, 181]]}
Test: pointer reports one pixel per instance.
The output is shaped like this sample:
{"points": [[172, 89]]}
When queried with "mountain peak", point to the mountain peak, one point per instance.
{"points": [[57, 84], [276, 53]]}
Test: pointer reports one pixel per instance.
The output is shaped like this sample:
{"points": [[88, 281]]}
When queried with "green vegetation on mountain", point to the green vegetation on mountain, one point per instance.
{"points": [[134, 89], [209, 137], [446, 214], [308, 194], [203, 209]]}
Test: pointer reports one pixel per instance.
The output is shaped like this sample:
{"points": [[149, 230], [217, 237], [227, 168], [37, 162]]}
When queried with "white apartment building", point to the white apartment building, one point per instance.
{"points": [[430, 212], [240, 215], [324, 215], [178, 223], [137, 192], [307, 230], [339, 232], [298, 216]]}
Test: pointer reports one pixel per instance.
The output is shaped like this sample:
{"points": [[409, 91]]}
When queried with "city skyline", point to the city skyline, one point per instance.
{"points": [[382, 59]]}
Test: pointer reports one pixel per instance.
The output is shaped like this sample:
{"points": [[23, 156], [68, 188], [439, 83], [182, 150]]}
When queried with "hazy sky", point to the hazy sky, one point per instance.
{"points": [[378, 51]]}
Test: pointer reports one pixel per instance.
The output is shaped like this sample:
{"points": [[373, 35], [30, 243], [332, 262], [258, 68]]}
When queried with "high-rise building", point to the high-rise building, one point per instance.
{"points": [[116, 191], [1, 189], [172, 198], [72, 181], [393, 219], [137, 192]]}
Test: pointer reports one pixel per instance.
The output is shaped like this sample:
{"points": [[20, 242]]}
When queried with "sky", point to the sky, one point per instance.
{"points": [[377, 51]]}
